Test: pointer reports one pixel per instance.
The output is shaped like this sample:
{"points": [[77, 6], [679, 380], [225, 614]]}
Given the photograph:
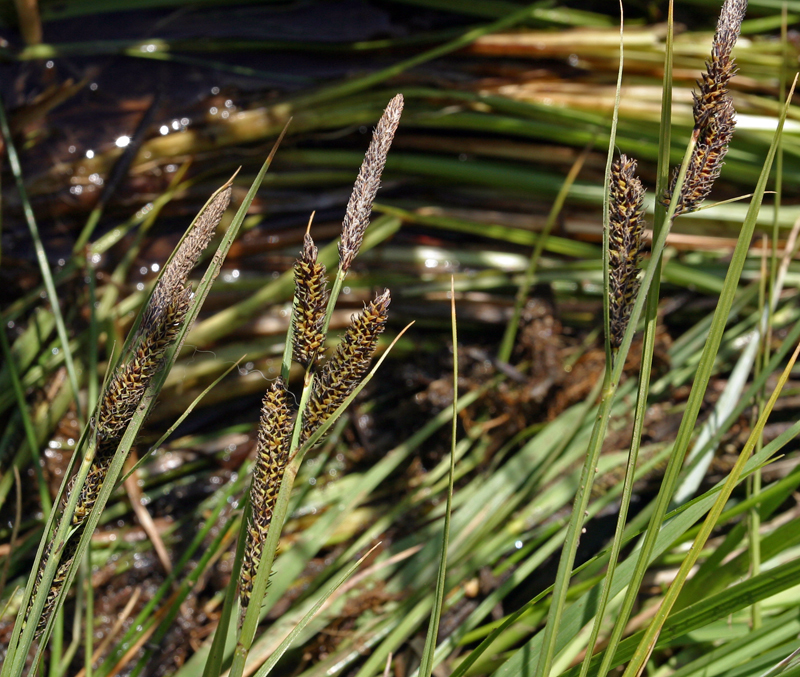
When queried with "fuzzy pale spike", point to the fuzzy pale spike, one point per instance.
{"points": [[272, 455], [624, 243], [367, 183], [160, 325], [714, 115], [310, 303], [348, 365]]}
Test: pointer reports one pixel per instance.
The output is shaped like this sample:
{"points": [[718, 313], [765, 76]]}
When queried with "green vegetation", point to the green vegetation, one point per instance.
{"points": [[598, 480]]}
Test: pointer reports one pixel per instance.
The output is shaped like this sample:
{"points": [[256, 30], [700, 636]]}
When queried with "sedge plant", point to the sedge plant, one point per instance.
{"points": [[127, 399], [286, 434]]}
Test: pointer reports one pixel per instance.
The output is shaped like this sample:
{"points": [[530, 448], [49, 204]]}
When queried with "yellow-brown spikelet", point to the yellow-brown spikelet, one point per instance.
{"points": [[310, 302], [626, 198], [272, 455], [714, 115], [367, 183], [160, 325], [347, 366], [161, 322]]}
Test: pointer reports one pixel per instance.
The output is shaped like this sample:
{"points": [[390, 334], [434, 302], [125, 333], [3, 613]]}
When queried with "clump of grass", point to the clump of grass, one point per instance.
{"points": [[624, 243], [692, 182], [160, 324], [282, 434]]}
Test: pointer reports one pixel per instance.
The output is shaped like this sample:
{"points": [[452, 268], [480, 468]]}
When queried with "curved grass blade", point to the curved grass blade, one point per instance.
{"points": [[650, 636]]}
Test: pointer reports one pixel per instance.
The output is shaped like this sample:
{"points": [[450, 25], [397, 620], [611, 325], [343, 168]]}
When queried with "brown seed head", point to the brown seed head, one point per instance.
{"points": [[348, 365], [272, 455], [713, 114], [310, 303], [624, 243], [367, 183]]}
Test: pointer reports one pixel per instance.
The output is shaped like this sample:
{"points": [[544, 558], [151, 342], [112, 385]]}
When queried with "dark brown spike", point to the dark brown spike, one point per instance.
{"points": [[714, 115], [272, 455], [626, 211], [310, 304], [348, 365]]}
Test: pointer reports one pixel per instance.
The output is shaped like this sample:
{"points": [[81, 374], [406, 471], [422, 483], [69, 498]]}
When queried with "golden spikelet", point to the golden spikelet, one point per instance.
{"points": [[626, 209], [347, 366], [714, 115], [367, 183], [272, 455], [310, 303]]}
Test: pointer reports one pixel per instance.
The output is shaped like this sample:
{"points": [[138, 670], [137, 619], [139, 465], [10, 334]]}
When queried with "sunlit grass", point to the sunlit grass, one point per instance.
{"points": [[478, 189]]}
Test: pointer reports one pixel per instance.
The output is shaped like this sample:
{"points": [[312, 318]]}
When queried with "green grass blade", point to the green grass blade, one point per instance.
{"points": [[648, 641], [714, 608], [426, 668], [216, 653], [41, 255], [27, 424], [276, 655]]}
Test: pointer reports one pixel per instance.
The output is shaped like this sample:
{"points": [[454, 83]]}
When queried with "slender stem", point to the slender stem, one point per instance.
{"points": [[89, 638], [648, 349], [27, 424], [581, 503], [648, 641]]}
